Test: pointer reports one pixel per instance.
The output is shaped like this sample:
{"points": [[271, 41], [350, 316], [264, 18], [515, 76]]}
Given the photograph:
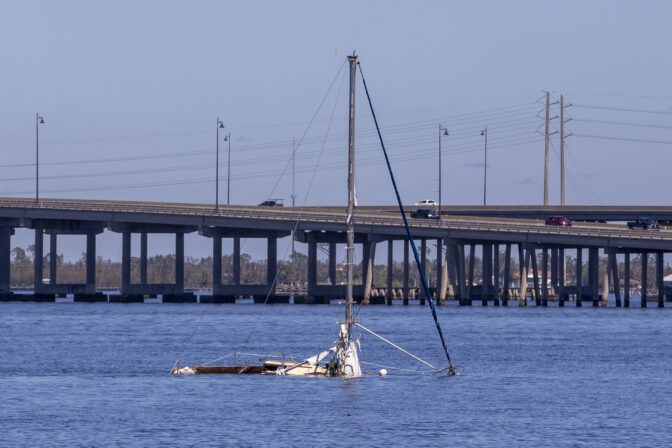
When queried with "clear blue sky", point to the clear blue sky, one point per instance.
{"points": [[130, 92]]}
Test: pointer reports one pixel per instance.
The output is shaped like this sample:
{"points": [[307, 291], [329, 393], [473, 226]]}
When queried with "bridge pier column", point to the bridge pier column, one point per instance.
{"points": [[544, 276], [659, 279], [217, 265], [495, 272], [271, 264], [53, 257], [605, 284], [179, 263], [143, 258], [5, 258], [312, 265], [451, 268], [486, 251], [523, 257], [470, 280], [645, 268], [125, 262], [440, 295], [535, 276], [90, 262], [332, 263], [390, 267], [462, 275], [423, 263], [236, 260], [626, 279], [507, 274], [367, 266], [594, 276], [561, 277], [579, 276], [554, 272], [406, 290], [613, 266]]}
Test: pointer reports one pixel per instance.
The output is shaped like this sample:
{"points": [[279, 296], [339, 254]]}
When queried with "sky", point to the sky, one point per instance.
{"points": [[131, 91]]}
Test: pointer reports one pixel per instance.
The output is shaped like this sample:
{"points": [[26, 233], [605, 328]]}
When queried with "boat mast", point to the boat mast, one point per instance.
{"points": [[350, 249]]}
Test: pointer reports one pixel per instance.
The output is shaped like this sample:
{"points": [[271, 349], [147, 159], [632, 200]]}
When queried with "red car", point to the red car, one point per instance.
{"points": [[558, 221]]}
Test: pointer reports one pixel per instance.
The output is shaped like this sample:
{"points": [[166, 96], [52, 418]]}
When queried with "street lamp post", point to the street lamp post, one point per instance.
{"points": [[445, 133], [484, 133], [38, 121], [228, 173], [220, 125]]}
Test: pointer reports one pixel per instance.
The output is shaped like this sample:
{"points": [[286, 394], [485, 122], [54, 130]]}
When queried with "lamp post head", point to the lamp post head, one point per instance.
{"points": [[484, 131], [221, 125], [226, 137], [446, 132]]}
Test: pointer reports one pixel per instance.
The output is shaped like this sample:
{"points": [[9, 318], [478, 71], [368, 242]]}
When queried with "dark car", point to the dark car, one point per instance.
{"points": [[272, 203], [558, 221], [425, 213], [643, 223]]}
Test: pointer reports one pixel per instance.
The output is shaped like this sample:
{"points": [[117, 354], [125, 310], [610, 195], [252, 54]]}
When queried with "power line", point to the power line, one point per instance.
{"points": [[620, 109], [625, 139], [623, 123]]}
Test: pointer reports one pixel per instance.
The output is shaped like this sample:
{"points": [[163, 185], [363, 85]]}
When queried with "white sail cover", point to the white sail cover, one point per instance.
{"points": [[348, 357]]}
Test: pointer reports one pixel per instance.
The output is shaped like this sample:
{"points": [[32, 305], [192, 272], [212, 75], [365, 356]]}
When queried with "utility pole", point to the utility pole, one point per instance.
{"points": [[445, 132], [293, 180], [562, 150], [484, 133], [228, 172], [546, 137]]}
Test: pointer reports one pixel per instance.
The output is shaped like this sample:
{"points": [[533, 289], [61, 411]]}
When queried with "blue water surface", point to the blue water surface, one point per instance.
{"points": [[98, 375]]}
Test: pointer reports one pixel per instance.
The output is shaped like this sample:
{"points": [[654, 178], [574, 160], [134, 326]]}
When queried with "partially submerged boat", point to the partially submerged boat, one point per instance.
{"points": [[341, 360]]}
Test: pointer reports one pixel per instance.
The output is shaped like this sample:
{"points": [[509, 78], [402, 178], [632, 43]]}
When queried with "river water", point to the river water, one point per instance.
{"points": [[98, 375]]}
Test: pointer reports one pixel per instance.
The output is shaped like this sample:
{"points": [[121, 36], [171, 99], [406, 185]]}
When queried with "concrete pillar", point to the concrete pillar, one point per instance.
{"points": [[236, 260], [470, 280], [390, 267], [561, 277], [626, 279], [445, 276], [143, 258], [614, 275], [462, 276], [125, 262], [90, 262], [535, 276], [524, 257], [486, 252], [554, 271], [645, 268], [216, 264], [495, 272], [439, 272], [594, 266], [53, 257], [179, 262], [332, 263], [5, 258], [423, 263], [605, 284], [544, 277], [271, 262], [312, 264], [406, 272], [507, 274], [579, 276], [659, 279]]}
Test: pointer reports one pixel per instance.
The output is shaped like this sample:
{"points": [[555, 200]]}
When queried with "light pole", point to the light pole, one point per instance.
{"points": [[445, 133], [228, 174], [38, 121], [220, 125], [484, 133]]}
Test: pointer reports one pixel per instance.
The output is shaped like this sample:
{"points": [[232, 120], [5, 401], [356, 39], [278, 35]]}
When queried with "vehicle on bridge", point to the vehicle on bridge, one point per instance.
{"points": [[644, 223], [558, 221], [427, 203], [425, 213], [272, 203]]}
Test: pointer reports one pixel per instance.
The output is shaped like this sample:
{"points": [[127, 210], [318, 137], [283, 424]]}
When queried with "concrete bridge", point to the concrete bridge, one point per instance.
{"points": [[373, 225]]}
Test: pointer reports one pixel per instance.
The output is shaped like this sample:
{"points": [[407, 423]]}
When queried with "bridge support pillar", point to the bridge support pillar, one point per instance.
{"points": [[626, 279], [423, 263], [406, 289], [125, 262], [440, 295], [535, 276], [5, 258], [613, 267], [485, 273], [495, 272], [332, 264], [561, 277], [554, 272], [659, 279], [507, 274], [470, 280], [367, 267], [462, 275], [312, 264], [645, 268], [390, 267], [271, 263], [236, 260], [523, 257], [216, 265], [53, 257], [179, 263], [90, 287], [451, 268], [544, 276], [605, 284], [594, 274], [579, 276], [143, 258]]}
